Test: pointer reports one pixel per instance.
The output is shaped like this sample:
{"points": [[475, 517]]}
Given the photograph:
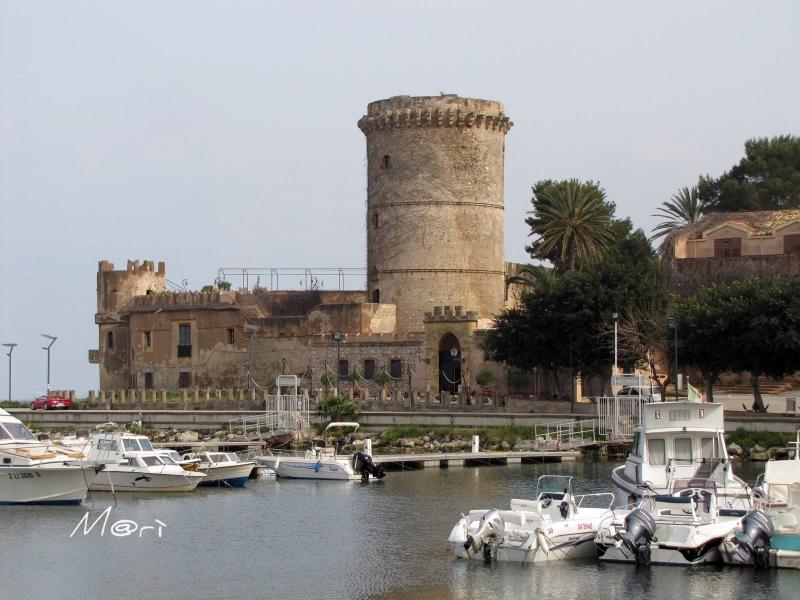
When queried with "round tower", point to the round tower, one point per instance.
{"points": [[435, 204]]}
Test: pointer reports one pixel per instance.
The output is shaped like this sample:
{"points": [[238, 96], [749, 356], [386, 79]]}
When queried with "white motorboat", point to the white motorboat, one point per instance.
{"points": [[187, 464], [223, 469], [322, 462], [557, 525], [136, 466], [685, 527], [34, 472], [774, 541], [679, 440]]}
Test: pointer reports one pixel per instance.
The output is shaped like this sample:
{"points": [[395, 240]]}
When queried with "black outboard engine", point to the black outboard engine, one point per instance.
{"points": [[753, 541], [490, 529], [640, 527], [362, 463]]}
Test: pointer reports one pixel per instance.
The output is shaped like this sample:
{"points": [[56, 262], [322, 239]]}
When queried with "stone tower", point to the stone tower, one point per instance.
{"points": [[115, 291], [435, 204]]}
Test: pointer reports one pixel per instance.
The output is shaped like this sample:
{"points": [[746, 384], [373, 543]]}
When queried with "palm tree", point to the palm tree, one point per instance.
{"points": [[573, 223], [685, 207], [537, 277]]}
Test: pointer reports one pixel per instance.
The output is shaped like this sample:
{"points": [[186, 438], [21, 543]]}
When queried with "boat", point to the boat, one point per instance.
{"points": [[36, 472], [321, 461], [223, 469], [775, 540], [679, 440], [557, 525], [187, 464], [134, 466], [685, 527]]}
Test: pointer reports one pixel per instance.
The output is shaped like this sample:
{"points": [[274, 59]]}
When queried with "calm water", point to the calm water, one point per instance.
{"points": [[302, 539]]}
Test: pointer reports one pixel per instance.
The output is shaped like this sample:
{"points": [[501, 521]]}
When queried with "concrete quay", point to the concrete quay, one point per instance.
{"points": [[219, 419]]}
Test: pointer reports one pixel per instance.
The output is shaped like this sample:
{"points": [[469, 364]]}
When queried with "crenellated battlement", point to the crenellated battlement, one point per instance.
{"points": [[181, 300], [434, 111]]}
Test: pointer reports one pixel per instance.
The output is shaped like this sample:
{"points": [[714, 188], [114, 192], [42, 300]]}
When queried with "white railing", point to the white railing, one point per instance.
{"points": [[284, 412], [566, 435], [619, 416]]}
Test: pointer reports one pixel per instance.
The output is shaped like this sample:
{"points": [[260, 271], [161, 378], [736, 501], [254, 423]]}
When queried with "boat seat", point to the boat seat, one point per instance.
{"points": [[520, 505]]}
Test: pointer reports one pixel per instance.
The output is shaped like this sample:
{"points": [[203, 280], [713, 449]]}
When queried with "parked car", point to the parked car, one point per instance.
{"points": [[51, 402], [640, 390]]}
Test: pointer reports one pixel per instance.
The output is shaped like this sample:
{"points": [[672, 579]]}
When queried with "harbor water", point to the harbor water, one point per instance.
{"points": [[321, 539]]}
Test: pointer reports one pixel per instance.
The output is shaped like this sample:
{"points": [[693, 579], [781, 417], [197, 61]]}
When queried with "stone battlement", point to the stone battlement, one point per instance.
{"points": [[182, 300], [134, 267], [450, 313], [434, 111]]}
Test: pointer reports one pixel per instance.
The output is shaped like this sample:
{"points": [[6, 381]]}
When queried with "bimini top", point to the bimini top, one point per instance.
{"points": [[682, 416]]}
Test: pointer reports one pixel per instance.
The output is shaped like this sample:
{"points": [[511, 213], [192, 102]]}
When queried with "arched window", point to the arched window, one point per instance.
{"points": [[110, 340], [387, 161], [376, 296]]}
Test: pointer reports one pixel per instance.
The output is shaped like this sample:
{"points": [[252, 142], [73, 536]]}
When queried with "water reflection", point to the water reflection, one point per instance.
{"points": [[302, 539]]}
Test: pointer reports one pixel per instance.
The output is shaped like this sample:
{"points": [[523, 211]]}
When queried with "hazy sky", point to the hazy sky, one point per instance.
{"points": [[211, 134]]}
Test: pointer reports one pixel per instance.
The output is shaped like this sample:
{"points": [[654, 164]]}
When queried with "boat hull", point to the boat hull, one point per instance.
{"points": [[564, 547], [710, 553], [303, 468], [234, 475], [45, 485], [114, 480]]}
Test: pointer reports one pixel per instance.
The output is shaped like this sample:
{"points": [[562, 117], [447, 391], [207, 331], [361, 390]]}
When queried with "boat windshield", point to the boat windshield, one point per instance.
{"points": [[152, 461], [130, 445], [15, 431], [146, 445], [218, 458], [168, 460]]}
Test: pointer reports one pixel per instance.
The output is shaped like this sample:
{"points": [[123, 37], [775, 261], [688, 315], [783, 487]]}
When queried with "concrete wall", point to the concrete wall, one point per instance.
{"points": [[435, 204]]}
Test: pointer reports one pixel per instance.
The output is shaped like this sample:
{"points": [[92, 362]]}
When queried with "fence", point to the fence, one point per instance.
{"points": [[284, 413], [566, 435], [619, 416]]}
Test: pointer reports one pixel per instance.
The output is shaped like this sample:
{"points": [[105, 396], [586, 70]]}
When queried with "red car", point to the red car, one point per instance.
{"points": [[51, 402]]}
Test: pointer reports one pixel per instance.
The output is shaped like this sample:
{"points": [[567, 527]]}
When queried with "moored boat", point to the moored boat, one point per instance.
{"points": [[223, 469], [557, 525]]}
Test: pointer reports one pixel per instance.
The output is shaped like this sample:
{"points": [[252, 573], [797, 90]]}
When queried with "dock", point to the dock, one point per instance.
{"points": [[401, 462]]}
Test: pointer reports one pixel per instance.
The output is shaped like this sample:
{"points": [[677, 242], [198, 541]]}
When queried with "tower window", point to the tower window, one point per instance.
{"points": [[369, 368], [110, 340], [387, 161], [375, 224], [184, 340], [344, 368], [185, 379], [147, 339], [231, 333], [376, 296], [395, 368]]}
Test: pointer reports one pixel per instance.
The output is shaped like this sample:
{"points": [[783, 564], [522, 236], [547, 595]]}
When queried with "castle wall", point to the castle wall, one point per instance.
{"points": [[435, 204]]}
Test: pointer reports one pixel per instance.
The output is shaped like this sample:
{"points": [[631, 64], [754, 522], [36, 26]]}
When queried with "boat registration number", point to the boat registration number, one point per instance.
{"points": [[33, 475]]}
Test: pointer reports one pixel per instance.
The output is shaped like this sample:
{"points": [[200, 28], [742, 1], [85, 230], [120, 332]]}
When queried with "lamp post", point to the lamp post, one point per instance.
{"points": [[673, 324], [336, 336], [253, 329], [615, 316], [52, 339], [10, 346], [453, 354]]}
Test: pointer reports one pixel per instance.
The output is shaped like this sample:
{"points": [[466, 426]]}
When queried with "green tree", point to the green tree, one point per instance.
{"points": [[685, 207], [751, 325], [767, 178], [572, 223]]}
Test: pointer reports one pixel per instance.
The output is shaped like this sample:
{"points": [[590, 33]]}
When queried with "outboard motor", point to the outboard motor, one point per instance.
{"points": [[753, 541], [362, 463], [491, 528], [640, 527]]}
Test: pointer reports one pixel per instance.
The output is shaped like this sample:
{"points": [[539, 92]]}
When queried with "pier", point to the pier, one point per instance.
{"points": [[402, 462]]}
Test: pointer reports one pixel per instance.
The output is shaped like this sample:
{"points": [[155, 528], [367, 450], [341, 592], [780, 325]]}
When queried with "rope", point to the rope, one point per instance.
{"points": [[448, 379]]}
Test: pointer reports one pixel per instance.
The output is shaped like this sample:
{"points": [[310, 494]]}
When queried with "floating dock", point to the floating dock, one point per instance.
{"points": [[400, 462]]}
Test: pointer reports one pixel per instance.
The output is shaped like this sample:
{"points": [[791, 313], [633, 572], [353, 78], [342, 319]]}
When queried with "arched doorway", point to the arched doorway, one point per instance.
{"points": [[449, 364]]}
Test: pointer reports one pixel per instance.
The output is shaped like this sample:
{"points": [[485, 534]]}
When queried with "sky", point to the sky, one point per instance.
{"points": [[216, 134]]}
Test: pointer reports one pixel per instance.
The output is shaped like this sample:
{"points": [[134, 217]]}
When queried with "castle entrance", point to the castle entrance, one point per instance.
{"points": [[449, 364]]}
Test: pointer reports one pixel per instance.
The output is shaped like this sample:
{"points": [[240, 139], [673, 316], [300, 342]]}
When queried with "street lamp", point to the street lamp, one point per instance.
{"points": [[672, 322], [52, 339], [336, 336], [10, 346], [253, 329], [615, 316], [453, 354]]}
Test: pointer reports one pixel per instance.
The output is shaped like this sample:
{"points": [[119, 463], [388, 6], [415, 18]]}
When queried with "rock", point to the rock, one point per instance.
{"points": [[358, 444], [426, 438], [504, 445], [405, 443], [188, 436], [757, 448], [758, 453], [237, 438], [734, 449]]}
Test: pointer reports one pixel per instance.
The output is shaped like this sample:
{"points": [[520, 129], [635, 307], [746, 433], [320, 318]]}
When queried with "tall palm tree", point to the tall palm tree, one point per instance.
{"points": [[573, 223], [685, 207]]}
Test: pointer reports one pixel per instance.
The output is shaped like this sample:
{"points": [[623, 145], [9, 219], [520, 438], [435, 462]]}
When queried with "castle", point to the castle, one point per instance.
{"points": [[436, 276]]}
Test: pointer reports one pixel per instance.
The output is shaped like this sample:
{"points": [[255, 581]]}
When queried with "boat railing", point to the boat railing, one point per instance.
{"points": [[581, 497]]}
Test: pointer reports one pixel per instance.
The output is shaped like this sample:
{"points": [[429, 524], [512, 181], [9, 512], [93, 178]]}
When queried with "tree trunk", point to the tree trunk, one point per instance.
{"points": [[758, 401], [710, 388]]}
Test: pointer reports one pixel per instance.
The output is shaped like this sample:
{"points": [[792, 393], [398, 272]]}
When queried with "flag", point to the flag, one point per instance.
{"points": [[694, 395]]}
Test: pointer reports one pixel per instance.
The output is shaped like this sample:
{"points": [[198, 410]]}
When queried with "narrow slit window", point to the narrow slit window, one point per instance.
{"points": [[387, 161], [376, 296], [110, 340], [147, 337], [231, 335]]}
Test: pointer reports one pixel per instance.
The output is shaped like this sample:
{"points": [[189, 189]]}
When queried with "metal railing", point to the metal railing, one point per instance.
{"points": [[299, 278], [283, 413], [619, 416], [566, 435]]}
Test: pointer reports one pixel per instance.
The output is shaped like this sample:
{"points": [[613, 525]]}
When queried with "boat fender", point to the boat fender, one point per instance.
{"points": [[541, 540]]}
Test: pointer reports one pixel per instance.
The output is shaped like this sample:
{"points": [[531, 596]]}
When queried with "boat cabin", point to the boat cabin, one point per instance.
{"points": [[679, 440], [109, 447]]}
